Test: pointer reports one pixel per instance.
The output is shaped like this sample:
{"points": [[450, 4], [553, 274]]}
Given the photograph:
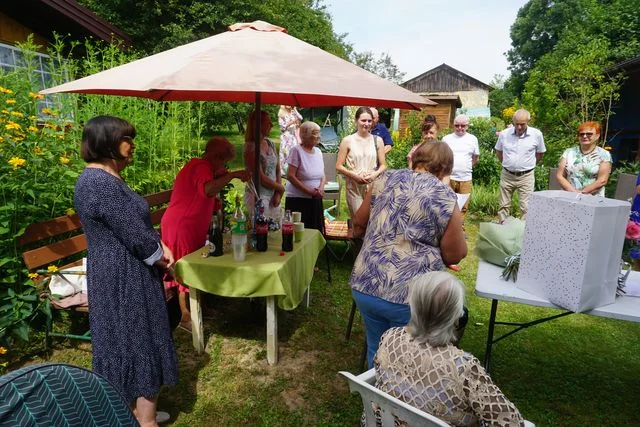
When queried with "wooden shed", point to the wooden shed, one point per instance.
{"points": [[444, 111], [451, 89], [19, 18]]}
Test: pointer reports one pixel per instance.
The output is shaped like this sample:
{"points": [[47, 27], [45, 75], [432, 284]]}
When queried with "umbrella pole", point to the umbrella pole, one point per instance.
{"points": [[257, 137]]}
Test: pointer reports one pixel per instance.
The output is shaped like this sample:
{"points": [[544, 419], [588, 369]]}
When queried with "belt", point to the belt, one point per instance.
{"points": [[520, 173]]}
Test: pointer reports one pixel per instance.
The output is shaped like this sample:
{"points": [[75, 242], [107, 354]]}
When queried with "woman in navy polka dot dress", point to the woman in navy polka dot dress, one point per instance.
{"points": [[131, 339]]}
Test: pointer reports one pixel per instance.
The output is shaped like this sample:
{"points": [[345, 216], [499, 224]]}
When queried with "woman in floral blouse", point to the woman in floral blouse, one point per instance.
{"points": [[585, 168], [413, 225]]}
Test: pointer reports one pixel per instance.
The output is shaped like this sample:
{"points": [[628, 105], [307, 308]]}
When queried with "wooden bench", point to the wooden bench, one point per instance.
{"points": [[60, 242]]}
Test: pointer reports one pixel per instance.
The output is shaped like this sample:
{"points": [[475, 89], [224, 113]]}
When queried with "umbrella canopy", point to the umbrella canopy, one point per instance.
{"points": [[249, 59]]}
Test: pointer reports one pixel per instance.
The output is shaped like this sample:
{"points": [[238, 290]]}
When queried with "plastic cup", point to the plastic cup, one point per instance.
{"points": [[296, 216], [239, 243], [298, 231]]}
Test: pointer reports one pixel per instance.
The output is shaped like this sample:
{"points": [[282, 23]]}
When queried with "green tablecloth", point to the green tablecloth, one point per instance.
{"points": [[261, 274]]}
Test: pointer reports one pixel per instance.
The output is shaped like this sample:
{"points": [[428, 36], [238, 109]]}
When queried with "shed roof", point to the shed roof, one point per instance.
{"points": [[449, 69], [63, 17], [629, 66]]}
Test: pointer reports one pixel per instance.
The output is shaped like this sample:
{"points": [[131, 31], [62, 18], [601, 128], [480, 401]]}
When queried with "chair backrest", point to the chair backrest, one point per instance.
{"points": [[626, 187], [553, 180], [61, 394], [330, 166], [389, 405]]}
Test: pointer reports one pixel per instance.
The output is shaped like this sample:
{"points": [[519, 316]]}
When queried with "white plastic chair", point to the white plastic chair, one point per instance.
{"points": [[389, 405]]}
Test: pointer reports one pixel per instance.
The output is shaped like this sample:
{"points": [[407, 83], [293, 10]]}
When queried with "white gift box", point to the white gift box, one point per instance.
{"points": [[572, 248]]}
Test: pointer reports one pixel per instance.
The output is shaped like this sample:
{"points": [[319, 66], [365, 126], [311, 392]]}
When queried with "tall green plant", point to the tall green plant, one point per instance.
{"points": [[39, 156]]}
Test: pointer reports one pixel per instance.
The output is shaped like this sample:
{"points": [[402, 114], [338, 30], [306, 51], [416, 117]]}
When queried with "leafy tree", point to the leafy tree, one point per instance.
{"points": [[157, 25], [565, 88], [501, 97], [541, 25], [383, 66]]}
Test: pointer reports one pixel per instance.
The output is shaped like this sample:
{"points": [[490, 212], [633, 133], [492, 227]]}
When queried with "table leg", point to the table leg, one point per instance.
{"points": [[197, 331], [272, 330], [492, 322]]}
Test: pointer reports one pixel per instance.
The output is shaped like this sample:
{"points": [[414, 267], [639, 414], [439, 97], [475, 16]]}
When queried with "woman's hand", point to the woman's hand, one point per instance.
{"points": [[275, 200], [317, 193], [242, 174], [168, 256]]}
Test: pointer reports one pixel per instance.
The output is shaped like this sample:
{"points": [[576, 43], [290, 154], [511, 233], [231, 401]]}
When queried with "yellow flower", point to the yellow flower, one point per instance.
{"points": [[50, 126], [12, 125], [32, 129], [16, 162], [17, 114], [60, 136], [4, 90], [35, 95], [32, 117], [10, 101], [39, 151], [52, 269], [1, 139], [33, 276], [70, 211], [49, 112], [5, 112], [64, 160], [3, 350]]}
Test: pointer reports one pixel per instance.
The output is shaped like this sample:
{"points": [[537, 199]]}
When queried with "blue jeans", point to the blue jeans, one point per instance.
{"points": [[379, 315]]}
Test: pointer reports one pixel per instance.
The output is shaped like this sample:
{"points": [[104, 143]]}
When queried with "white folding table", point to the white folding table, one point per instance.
{"points": [[490, 285]]}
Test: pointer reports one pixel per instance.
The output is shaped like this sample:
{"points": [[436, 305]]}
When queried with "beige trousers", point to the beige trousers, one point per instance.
{"points": [[508, 184], [462, 187]]}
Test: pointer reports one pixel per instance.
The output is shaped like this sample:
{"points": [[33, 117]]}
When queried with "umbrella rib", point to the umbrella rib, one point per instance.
{"points": [[296, 100], [164, 95]]}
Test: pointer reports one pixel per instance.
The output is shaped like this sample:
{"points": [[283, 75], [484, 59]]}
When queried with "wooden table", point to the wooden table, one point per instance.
{"points": [[282, 279], [490, 285]]}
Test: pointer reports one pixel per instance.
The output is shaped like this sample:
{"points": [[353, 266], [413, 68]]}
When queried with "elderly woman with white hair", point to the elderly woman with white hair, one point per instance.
{"points": [[421, 365], [306, 179]]}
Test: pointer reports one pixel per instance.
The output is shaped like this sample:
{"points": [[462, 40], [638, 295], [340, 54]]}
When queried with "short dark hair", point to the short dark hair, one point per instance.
{"points": [[101, 138], [435, 157]]}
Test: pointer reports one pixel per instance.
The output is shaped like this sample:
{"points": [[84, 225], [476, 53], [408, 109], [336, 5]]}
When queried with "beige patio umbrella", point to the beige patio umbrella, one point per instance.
{"points": [[252, 62]]}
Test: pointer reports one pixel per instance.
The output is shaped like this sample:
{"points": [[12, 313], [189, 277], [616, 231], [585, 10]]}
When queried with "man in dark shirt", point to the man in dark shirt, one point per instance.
{"points": [[379, 129]]}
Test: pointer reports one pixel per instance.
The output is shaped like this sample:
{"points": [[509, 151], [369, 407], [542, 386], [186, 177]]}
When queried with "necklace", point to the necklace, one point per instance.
{"points": [[588, 152], [105, 168]]}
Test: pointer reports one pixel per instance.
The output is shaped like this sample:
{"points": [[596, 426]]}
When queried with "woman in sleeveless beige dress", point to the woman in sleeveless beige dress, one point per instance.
{"points": [[360, 159]]}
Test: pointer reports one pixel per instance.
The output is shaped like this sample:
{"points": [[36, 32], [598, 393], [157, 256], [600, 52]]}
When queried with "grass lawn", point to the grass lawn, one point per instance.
{"points": [[574, 371]]}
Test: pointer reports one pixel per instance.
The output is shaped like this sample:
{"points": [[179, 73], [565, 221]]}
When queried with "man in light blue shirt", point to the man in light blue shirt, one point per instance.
{"points": [[519, 148]]}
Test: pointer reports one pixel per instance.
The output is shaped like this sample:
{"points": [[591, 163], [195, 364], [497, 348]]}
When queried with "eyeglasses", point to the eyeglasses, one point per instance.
{"points": [[460, 126], [588, 134]]}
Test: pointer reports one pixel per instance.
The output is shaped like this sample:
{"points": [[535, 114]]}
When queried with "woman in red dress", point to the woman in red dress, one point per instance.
{"points": [[185, 224]]}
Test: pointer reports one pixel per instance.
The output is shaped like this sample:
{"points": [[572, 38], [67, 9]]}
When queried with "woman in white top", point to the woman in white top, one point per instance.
{"points": [[305, 176], [363, 154]]}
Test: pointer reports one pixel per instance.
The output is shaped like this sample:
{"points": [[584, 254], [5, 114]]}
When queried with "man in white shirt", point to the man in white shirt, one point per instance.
{"points": [[466, 153], [519, 148]]}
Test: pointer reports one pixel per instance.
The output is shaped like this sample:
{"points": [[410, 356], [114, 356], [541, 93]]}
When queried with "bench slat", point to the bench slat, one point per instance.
{"points": [[46, 255], [156, 199], [51, 228]]}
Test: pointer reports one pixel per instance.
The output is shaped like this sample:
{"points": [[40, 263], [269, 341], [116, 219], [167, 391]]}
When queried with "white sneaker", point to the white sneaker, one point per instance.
{"points": [[162, 417]]}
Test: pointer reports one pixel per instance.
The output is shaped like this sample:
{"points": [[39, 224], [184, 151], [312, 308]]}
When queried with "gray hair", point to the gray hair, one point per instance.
{"points": [[436, 299], [522, 113], [307, 128], [461, 118]]}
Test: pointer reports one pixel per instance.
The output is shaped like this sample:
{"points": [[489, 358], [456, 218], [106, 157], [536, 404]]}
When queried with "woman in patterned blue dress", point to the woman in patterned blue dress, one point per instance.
{"points": [[413, 225], [132, 344]]}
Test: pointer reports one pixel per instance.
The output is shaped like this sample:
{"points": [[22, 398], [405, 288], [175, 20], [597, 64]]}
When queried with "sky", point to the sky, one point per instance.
{"points": [[472, 36]]}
